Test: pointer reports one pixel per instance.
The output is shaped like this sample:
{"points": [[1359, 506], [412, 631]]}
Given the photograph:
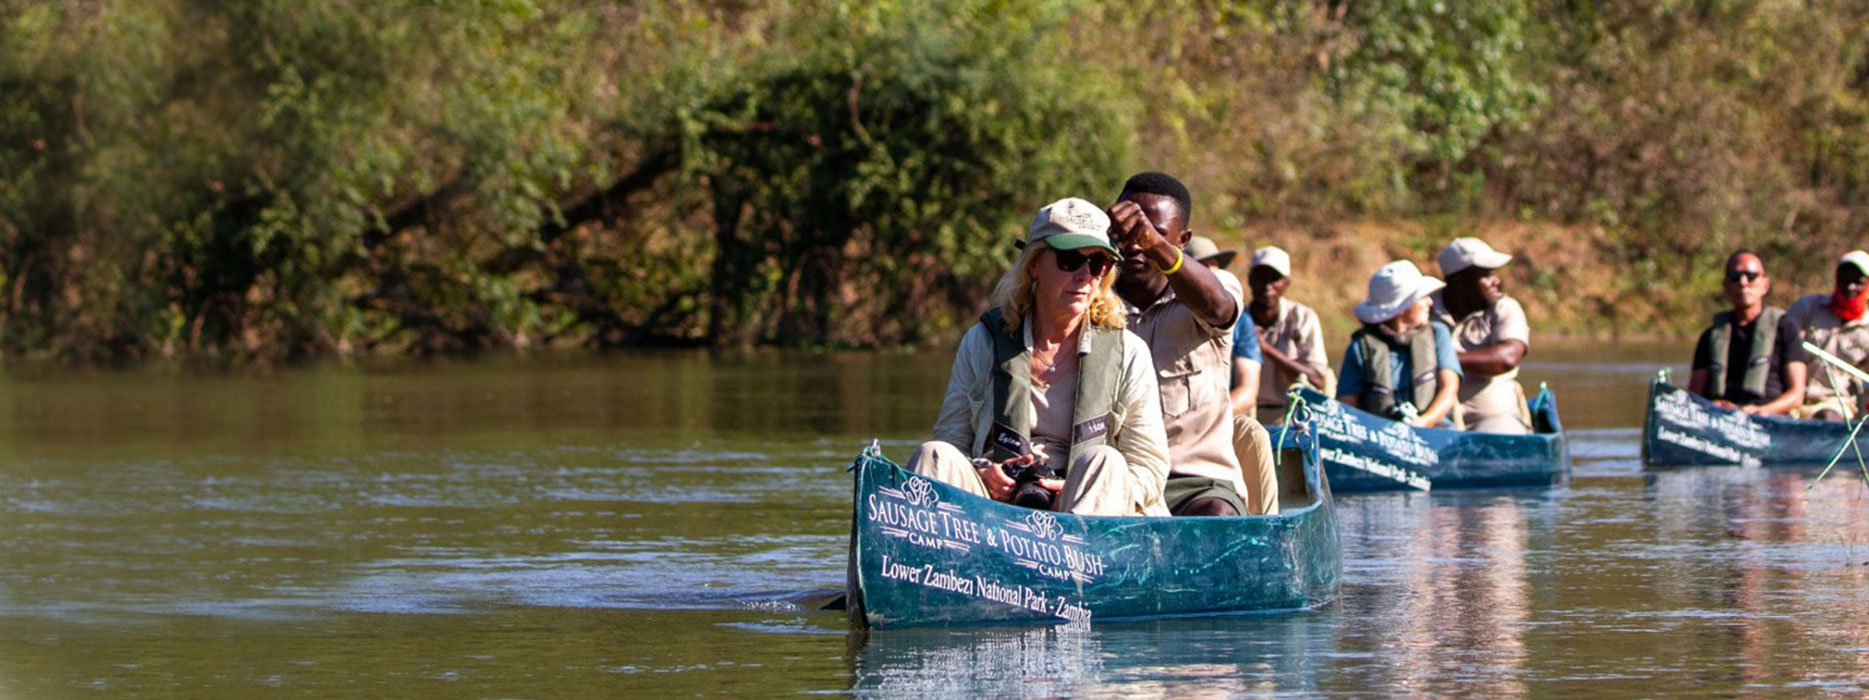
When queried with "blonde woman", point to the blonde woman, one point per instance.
{"points": [[1050, 402]]}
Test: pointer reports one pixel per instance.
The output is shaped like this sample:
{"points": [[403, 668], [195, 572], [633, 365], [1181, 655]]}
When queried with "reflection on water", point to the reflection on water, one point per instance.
{"points": [[1502, 594], [661, 524]]}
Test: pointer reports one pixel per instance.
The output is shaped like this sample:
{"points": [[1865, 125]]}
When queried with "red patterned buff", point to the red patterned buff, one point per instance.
{"points": [[1849, 308]]}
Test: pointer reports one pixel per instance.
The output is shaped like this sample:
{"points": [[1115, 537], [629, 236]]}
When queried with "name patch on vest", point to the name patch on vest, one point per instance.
{"points": [[1004, 438], [1091, 429]]}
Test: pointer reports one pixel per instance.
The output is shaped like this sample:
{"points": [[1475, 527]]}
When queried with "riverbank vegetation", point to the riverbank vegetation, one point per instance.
{"points": [[271, 179]]}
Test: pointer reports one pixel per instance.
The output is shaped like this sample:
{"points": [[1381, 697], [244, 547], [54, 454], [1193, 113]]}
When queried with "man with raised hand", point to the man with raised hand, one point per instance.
{"points": [[1835, 322], [1185, 312], [1490, 334], [1749, 358]]}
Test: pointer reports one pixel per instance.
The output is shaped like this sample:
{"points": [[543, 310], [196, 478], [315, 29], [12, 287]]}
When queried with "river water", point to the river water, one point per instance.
{"points": [[663, 524]]}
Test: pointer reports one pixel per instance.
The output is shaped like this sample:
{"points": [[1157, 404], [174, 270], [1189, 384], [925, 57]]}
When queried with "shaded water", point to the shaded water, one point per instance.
{"points": [[659, 524]]}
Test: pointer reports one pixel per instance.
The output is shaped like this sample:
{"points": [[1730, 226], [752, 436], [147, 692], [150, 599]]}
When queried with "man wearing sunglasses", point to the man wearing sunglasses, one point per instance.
{"points": [[1185, 312], [1749, 358]]}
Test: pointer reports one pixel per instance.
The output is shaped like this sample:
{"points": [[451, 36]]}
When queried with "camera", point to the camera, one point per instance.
{"points": [[1026, 491]]}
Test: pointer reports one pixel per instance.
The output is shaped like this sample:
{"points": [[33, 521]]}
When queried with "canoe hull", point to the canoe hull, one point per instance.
{"points": [[924, 553], [1362, 452], [1682, 429]]}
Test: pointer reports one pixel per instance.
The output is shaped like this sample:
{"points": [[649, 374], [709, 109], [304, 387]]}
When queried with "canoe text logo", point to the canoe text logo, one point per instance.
{"points": [[1728, 435], [919, 492], [1044, 525]]}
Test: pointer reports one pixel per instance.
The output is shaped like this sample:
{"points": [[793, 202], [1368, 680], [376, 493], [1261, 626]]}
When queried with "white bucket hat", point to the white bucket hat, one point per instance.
{"points": [[1470, 252], [1394, 288]]}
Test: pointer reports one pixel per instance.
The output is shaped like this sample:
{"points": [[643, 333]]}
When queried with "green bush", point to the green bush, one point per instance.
{"points": [[864, 190]]}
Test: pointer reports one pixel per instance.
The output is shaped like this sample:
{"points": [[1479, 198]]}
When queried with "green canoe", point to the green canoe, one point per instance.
{"points": [[923, 553]]}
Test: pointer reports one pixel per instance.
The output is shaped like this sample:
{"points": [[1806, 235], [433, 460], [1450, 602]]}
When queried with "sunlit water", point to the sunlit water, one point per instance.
{"points": [[663, 525]]}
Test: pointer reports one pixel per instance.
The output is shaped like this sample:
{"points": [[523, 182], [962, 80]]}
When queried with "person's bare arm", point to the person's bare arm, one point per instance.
{"points": [[1195, 285], [1443, 399], [1795, 373], [1289, 364], [1245, 396], [1498, 358], [1697, 385]]}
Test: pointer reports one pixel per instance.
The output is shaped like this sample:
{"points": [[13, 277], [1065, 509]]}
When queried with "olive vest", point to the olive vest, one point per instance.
{"points": [[1758, 357], [1099, 378], [1379, 394]]}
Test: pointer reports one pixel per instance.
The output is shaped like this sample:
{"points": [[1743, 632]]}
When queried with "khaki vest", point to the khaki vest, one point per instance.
{"points": [[1758, 357], [1099, 378], [1379, 394]]}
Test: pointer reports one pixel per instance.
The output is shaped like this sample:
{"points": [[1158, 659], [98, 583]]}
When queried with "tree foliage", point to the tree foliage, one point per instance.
{"points": [[268, 178]]}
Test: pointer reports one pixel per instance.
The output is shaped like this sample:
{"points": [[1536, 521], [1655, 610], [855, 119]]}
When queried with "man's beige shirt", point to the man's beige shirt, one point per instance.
{"points": [[1846, 339], [1297, 333], [1193, 366], [967, 411], [1482, 396]]}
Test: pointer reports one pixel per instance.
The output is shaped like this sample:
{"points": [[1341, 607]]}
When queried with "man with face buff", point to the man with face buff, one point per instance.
{"points": [[1749, 358], [1490, 336], [1836, 323], [1185, 312]]}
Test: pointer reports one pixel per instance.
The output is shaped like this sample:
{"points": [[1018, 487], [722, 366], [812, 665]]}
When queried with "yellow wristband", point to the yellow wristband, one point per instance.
{"points": [[1180, 257]]}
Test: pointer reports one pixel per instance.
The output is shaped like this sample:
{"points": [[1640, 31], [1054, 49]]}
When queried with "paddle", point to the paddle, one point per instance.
{"points": [[1856, 424]]}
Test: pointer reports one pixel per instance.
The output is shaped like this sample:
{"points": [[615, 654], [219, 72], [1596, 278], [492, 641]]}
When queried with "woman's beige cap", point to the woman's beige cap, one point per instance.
{"points": [[1072, 223]]}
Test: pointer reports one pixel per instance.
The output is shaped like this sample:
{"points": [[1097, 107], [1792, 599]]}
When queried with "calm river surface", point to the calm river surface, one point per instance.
{"points": [[661, 524]]}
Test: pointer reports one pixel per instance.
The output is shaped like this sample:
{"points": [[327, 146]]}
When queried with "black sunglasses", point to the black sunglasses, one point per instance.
{"points": [[1070, 260], [1747, 275]]}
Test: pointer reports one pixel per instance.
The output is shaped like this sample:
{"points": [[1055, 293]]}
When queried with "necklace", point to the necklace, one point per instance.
{"points": [[1044, 376], [1050, 367]]}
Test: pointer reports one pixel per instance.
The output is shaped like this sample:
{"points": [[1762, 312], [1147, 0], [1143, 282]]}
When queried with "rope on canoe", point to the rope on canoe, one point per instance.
{"points": [[1296, 410], [872, 451]]}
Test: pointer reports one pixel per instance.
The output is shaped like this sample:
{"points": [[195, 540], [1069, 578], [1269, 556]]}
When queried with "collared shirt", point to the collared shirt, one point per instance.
{"points": [[1296, 332], [967, 410], [1485, 396], [1822, 327], [1194, 368]]}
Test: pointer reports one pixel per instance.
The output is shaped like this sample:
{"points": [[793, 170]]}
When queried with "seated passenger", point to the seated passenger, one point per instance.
{"points": [[1050, 376], [1836, 323], [1288, 336], [1749, 358], [1490, 337], [1401, 361]]}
